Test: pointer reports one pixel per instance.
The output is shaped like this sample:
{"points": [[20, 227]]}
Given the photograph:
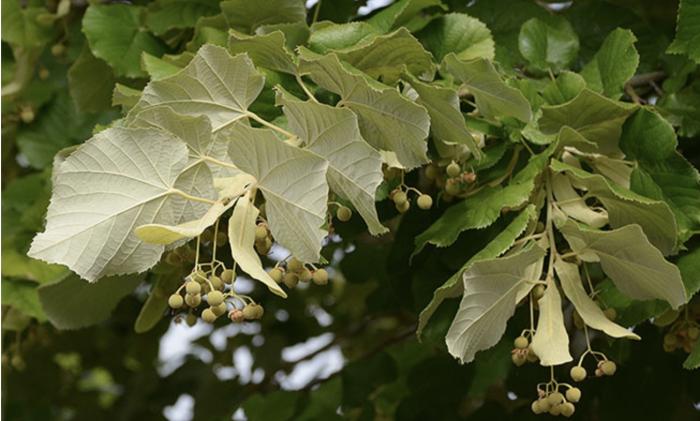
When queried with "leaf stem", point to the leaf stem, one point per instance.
{"points": [[271, 126], [192, 198], [549, 227], [316, 12], [305, 88]]}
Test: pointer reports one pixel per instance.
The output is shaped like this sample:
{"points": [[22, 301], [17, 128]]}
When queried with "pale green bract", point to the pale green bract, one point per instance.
{"points": [[241, 234], [354, 167], [590, 311], [105, 189], [490, 290], [626, 207], [293, 182], [551, 341]]}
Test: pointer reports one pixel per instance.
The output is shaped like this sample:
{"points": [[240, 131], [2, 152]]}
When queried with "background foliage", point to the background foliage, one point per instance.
{"points": [[70, 66]]}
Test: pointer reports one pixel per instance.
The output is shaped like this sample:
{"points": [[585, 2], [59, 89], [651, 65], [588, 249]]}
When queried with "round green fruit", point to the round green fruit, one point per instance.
{"points": [[343, 214], [425, 202], [578, 373], [453, 170], [176, 301], [320, 277]]}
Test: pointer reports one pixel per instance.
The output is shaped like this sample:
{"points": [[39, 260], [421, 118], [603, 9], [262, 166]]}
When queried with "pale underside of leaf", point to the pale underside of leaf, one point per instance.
{"points": [[213, 84], [494, 98], [118, 180], [453, 287], [388, 120], [636, 267], [241, 234], [490, 289], [590, 312], [293, 182], [446, 120], [354, 167], [625, 207], [573, 205]]}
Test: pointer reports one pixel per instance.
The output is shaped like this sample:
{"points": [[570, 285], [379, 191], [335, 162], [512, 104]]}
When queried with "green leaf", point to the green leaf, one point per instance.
{"points": [[157, 68], [241, 234], [475, 212], [646, 136], [597, 119], [23, 297], [72, 303], [164, 15], [114, 182], [626, 207], [20, 25], [60, 125], [354, 167], [548, 44], [116, 36], [278, 405], [613, 65], [91, 82], [689, 265], [329, 37], [467, 37], [677, 182], [157, 302], [246, 16], [385, 57], [453, 287], [268, 51], [125, 97], [591, 313], [693, 360], [293, 182], [687, 40], [635, 266], [207, 86], [493, 97], [18, 265], [446, 120], [551, 341], [490, 290], [295, 33], [388, 120], [564, 88], [400, 13]]}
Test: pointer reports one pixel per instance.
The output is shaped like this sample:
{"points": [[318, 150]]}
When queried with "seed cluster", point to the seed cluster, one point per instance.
{"points": [[294, 271], [215, 288], [452, 179]]}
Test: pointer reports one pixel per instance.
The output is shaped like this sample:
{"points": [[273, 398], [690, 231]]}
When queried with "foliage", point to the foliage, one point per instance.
{"points": [[205, 167]]}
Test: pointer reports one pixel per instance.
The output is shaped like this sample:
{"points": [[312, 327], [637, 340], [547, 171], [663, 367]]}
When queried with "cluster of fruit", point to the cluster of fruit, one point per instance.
{"points": [[683, 335], [604, 367], [454, 181], [555, 403], [403, 203], [263, 239], [217, 291], [522, 350], [295, 271]]}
